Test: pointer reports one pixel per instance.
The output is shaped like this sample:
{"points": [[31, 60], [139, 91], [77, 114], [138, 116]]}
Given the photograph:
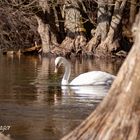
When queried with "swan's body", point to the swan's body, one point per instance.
{"points": [[88, 78]]}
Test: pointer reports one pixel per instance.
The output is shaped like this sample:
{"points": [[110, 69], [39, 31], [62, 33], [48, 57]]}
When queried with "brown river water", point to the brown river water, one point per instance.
{"points": [[34, 106]]}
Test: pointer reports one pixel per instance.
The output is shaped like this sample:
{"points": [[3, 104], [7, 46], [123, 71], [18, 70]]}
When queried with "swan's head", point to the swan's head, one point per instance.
{"points": [[58, 62], [66, 64]]}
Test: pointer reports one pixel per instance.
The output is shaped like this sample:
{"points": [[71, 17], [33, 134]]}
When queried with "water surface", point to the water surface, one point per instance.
{"points": [[34, 104]]}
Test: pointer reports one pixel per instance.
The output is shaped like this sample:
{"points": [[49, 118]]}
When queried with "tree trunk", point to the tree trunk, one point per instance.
{"points": [[111, 43], [75, 33], [47, 26], [118, 115], [102, 19], [108, 31], [43, 30], [133, 10]]}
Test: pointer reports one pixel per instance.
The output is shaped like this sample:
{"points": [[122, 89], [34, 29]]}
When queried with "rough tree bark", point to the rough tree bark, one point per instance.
{"points": [[75, 33], [107, 33], [103, 19], [133, 10], [47, 26], [118, 115]]}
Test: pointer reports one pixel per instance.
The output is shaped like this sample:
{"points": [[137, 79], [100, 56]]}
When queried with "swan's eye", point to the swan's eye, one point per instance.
{"points": [[58, 65]]}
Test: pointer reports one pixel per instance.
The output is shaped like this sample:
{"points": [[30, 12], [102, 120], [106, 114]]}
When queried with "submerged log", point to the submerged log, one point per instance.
{"points": [[118, 115]]}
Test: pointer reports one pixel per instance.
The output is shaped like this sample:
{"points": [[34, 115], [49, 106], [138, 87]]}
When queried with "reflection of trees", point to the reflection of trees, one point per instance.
{"points": [[111, 66], [9, 74], [16, 74], [38, 105], [45, 82], [86, 64]]}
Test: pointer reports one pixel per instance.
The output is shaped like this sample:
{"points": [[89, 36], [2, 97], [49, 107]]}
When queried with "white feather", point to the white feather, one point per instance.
{"points": [[89, 78]]}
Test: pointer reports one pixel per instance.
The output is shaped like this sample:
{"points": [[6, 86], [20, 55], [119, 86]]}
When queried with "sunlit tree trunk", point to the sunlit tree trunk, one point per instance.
{"points": [[75, 33], [107, 33], [118, 115], [111, 43], [47, 25], [103, 21], [133, 10]]}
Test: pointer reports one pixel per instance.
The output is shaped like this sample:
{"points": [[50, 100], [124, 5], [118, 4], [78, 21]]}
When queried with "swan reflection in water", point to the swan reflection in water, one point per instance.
{"points": [[94, 91], [92, 84]]}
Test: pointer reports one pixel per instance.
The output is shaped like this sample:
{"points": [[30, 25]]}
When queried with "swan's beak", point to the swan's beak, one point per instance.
{"points": [[56, 70]]}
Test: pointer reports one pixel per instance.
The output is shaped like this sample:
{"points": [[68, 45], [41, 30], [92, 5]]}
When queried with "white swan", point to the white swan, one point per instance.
{"points": [[88, 78]]}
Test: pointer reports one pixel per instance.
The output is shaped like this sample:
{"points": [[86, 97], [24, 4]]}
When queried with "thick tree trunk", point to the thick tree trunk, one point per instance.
{"points": [[111, 43], [118, 116], [43, 30], [103, 23], [133, 10], [108, 33], [102, 19], [47, 26], [75, 33]]}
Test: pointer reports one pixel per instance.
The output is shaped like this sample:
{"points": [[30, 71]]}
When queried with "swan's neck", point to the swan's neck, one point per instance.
{"points": [[65, 79]]}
